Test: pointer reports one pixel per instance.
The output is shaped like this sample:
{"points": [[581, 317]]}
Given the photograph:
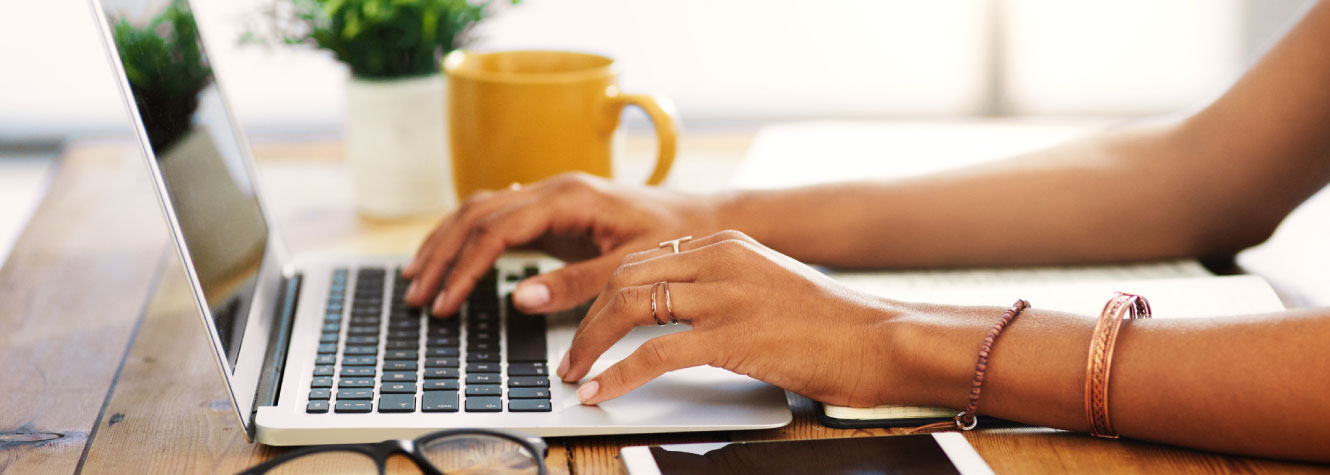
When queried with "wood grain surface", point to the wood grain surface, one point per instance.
{"points": [[109, 373]]}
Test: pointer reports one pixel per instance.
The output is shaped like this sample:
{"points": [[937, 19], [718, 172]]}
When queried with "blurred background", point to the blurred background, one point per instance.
{"points": [[725, 63]]}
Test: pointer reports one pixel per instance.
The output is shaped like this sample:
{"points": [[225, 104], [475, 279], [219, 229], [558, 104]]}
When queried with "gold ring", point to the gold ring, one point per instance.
{"points": [[655, 315], [674, 243], [669, 306]]}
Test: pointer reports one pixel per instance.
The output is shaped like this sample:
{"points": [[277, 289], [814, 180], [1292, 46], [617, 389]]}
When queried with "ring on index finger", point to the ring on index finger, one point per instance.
{"points": [[674, 243]]}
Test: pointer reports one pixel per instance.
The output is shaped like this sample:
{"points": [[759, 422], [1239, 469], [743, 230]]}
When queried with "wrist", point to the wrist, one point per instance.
{"points": [[933, 349], [741, 211]]}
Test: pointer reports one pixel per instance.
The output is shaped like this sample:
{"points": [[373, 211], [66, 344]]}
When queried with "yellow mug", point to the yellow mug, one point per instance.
{"points": [[520, 116]]}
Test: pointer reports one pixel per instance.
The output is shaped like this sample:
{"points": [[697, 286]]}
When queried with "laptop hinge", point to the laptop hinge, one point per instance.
{"points": [[270, 381]]}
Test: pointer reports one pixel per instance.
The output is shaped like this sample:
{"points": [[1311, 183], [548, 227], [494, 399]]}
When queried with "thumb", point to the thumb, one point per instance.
{"points": [[567, 287]]}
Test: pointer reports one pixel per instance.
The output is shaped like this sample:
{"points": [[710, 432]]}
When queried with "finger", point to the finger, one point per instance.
{"points": [[629, 308], [514, 225], [435, 255], [666, 248], [566, 287], [686, 266], [654, 358]]}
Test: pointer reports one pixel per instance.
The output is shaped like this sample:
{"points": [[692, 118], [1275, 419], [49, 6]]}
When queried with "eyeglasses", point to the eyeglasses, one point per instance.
{"points": [[458, 450]]}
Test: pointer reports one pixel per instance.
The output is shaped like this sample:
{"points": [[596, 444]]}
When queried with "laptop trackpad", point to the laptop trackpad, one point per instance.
{"points": [[699, 395]]}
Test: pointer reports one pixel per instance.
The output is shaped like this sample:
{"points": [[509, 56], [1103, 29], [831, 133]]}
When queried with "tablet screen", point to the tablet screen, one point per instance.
{"points": [[915, 454]]}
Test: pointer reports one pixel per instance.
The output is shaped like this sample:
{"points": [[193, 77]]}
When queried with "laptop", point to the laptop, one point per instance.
{"points": [[320, 350]]}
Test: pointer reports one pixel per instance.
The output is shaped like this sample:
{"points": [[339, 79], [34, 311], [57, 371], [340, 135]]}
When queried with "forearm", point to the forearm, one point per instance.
{"points": [[1121, 196], [1253, 385]]}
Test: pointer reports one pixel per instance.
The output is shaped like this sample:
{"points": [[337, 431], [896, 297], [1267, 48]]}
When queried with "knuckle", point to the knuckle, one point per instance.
{"points": [[732, 234], [637, 256], [471, 202], [654, 353], [623, 299]]}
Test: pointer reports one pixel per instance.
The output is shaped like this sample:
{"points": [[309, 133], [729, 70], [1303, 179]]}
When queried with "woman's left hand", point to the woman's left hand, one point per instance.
{"points": [[753, 310]]}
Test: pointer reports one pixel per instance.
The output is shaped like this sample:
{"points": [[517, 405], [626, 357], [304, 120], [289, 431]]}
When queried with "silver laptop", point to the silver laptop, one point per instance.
{"points": [[323, 350]]}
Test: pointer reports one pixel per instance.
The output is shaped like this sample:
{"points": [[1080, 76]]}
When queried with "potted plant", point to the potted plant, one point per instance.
{"points": [[396, 135]]}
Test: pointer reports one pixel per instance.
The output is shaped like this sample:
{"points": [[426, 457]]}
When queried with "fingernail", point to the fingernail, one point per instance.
{"points": [[411, 291], [563, 366], [588, 391], [438, 301], [532, 294]]}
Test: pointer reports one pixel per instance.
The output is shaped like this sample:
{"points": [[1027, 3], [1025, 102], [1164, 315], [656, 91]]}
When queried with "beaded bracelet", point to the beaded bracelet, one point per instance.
{"points": [[968, 420], [1097, 369]]}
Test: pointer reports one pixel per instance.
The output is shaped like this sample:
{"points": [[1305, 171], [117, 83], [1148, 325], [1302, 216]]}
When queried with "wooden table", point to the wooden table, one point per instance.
{"points": [[105, 369]]}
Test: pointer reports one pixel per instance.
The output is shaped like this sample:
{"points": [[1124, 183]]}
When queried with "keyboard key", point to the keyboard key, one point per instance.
{"points": [[529, 382], [482, 356], [398, 388], [333, 318], [397, 403], [529, 405], [399, 365], [402, 344], [331, 327], [482, 337], [526, 335], [441, 352], [325, 359], [321, 382], [439, 401], [354, 406], [484, 390], [367, 321], [326, 348], [442, 341], [330, 337], [399, 376], [440, 384], [355, 394], [317, 407], [323, 370], [362, 330], [482, 346], [359, 361], [403, 335], [320, 393], [362, 340], [401, 355], [358, 371], [528, 369], [356, 383], [528, 393], [441, 362], [440, 373], [484, 404], [482, 367], [361, 350], [403, 324], [483, 378]]}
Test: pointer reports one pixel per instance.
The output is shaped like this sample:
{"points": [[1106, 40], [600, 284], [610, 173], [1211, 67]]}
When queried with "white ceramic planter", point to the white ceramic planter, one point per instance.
{"points": [[397, 146]]}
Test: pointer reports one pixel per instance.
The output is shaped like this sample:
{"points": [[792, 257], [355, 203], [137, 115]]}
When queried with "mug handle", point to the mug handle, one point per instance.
{"points": [[661, 112]]}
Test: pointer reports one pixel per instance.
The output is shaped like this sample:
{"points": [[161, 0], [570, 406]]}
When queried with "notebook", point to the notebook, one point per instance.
{"points": [[1181, 289]]}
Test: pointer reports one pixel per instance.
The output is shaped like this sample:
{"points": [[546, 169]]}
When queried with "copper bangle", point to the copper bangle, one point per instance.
{"points": [[1099, 365]]}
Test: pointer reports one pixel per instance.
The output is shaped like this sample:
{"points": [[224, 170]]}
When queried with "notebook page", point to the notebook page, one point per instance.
{"points": [[1188, 297]]}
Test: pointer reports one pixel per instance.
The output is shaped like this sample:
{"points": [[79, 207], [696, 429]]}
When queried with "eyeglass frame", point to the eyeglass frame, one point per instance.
{"points": [[381, 451]]}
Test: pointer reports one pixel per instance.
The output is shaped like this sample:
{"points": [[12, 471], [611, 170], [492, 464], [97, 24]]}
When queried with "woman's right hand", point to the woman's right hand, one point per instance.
{"points": [[587, 221]]}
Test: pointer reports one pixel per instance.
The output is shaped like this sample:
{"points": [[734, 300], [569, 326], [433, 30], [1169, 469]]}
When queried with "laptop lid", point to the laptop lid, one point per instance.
{"points": [[201, 166]]}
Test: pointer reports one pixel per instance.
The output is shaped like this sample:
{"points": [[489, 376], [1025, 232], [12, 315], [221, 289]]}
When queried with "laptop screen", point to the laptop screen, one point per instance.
{"points": [[197, 153]]}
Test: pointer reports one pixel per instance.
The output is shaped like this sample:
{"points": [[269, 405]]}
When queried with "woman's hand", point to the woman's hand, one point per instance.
{"points": [[587, 221], [754, 312]]}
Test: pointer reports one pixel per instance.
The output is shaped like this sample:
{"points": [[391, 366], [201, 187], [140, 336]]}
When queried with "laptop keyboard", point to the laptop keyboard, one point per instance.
{"points": [[378, 354]]}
